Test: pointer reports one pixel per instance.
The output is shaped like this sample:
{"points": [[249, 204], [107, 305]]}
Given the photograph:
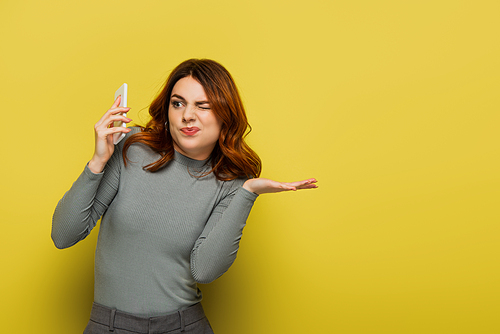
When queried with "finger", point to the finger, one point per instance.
{"points": [[308, 186], [116, 118], [117, 110], [103, 127], [312, 180], [117, 102], [109, 131], [112, 111], [303, 182], [107, 119]]}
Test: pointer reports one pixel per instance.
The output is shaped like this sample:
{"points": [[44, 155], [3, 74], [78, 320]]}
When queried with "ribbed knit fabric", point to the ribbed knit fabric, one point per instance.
{"points": [[160, 233]]}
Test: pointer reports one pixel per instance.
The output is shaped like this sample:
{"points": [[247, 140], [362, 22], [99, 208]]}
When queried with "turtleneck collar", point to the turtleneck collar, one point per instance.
{"points": [[180, 158]]}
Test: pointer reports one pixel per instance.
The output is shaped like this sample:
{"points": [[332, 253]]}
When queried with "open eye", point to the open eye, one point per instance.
{"points": [[176, 104]]}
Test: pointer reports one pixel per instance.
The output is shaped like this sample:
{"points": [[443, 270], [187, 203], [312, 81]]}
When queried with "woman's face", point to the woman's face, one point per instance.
{"points": [[195, 129]]}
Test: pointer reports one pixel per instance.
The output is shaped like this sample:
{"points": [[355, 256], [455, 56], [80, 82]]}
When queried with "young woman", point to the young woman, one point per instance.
{"points": [[174, 197]]}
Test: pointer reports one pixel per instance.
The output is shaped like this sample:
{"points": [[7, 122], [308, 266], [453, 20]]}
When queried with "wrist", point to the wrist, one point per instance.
{"points": [[96, 166], [248, 186]]}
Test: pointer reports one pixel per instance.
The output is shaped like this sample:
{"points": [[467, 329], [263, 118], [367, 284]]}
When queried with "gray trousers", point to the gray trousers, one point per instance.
{"points": [[106, 320]]}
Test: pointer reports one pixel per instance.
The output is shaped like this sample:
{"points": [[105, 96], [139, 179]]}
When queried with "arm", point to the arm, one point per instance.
{"points": [[215, 250], [87, 200], [83, 205]]}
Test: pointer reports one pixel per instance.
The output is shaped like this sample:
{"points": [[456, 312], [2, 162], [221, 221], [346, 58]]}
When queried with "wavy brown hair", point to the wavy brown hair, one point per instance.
{"points": [[231, 157]]}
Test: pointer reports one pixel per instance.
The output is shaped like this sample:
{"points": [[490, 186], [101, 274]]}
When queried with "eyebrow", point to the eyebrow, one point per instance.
{"points": [[183, 99]]}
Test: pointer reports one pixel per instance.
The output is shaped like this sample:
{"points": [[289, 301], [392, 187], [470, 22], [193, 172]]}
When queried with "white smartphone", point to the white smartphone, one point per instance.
{"points": [[117, 137]]}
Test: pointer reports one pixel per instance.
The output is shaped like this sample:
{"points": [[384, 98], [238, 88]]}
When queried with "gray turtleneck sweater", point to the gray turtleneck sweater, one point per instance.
{"points": [[160, 233]]}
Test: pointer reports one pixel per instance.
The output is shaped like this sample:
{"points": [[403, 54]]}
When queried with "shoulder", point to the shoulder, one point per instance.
{"points": [[137, 152], [133, 131]]}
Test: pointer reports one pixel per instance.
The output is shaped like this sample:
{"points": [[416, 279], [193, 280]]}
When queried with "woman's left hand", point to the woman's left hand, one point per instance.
{"points": [[263, 186]]}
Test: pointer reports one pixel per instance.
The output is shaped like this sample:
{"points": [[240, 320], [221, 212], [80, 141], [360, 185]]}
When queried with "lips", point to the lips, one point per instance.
{"points": [[190, 131]]}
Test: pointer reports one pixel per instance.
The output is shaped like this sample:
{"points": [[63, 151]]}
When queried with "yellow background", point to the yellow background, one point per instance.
{"points": [[391, 105]]}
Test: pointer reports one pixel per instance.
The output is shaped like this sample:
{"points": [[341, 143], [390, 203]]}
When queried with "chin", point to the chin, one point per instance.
{"points": [[190, 148]]}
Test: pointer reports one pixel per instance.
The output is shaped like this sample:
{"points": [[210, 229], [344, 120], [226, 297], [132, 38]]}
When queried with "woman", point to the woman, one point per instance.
{"points": [[174, 198]]}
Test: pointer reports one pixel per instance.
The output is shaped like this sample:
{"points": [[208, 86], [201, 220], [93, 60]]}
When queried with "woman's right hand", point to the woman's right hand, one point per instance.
{"points": [[104, 131]]}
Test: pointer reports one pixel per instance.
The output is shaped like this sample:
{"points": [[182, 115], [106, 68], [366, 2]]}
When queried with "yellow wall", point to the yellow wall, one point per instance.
{"points": [[392, 105]]}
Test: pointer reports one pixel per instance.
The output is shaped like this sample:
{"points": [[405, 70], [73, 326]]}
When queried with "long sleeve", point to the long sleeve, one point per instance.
{"points": [[161, 232], [83, 205], [215, 250]]}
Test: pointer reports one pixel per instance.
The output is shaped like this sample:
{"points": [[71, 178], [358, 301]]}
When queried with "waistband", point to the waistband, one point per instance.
{"points": [[121, 320]]}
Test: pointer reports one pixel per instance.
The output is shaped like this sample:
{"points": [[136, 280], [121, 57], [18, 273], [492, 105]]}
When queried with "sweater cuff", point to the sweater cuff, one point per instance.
{"points": [[91, 175], [248, 194]]}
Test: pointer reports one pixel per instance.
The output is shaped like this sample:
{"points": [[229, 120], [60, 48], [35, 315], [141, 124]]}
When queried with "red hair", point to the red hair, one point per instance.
{"points": [[232, 157]]}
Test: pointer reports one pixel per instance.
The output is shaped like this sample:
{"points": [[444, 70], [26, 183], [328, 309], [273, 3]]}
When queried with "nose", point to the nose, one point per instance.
{"points": [[188, 115]]}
